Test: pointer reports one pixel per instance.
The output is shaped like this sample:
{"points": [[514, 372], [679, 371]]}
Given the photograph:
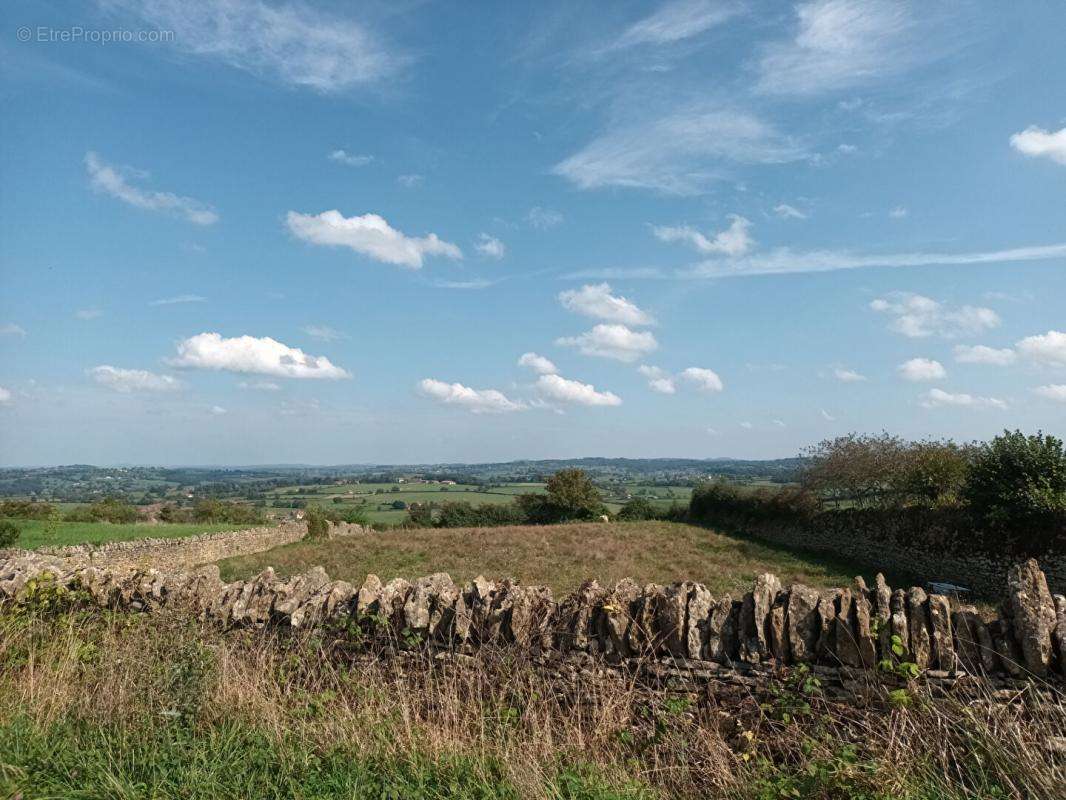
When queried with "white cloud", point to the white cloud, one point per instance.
{"points": [[596, 301], [477, 401], [133, 380], [612, 341], [982, 354], [681, 152], [87, 314], [410, 181], [181, 298], [847, 149], [783, 261], [1037, 142], [733, 241], [537, 363], [255, 356], [848, 375], [563, 390], [11, 329], [543, 218], [658, 379], [5, 397], [779, 423], [676, 21], [370, 235], [1053, 391], [324, 333], [218, 411], [746, 426], [1048, 349], [899, 212], [490, 246], [840, 44], [351, 160], [706, 380], [922, 369], [114, 181], [938, 398], [289, 42], [785, 211], [917, 316], [260, 386], [827, 416]]}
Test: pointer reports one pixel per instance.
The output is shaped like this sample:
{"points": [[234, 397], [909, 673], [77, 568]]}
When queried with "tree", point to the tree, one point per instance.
{"points": [[857, 467], [1018, 479], [572, 491], [932, 473]]}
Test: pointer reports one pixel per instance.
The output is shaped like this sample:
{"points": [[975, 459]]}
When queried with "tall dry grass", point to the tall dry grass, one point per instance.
{"points": [[511, 724]]}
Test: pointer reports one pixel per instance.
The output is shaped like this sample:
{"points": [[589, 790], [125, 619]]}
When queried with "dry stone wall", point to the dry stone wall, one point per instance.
{"points": [[170, 555], [853, 628]]}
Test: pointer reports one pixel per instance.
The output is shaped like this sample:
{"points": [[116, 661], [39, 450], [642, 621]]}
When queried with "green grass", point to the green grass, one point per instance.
{"points": [[39, 533], [230, 760], [561, 556]]}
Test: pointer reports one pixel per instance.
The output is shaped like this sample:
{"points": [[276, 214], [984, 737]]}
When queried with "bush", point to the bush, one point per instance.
{"points": [[27, 509], [1017, 479], [110, 509], [419, 515], [485, 515], [9, 533], [638, 509], [234, 513], [317, 524]]}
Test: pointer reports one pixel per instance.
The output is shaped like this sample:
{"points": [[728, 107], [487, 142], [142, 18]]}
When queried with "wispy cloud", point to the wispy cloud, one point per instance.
{"points": [[292, 43], [785, 211], [982, 354], [11, 329], [918, 370], [351, 160], [733, 241], [840, 44], [917, 316], [324, 333], [848, 375], [115, 181], [938, 398], [490, 246], [674, 22], [543, 218], [681, 152], [597, 301], [612, 341], [477, 401], [133, 380], [178, 299], [87, 314], [784, 261], [706, 380], [659, 380], [369, 235], [410, 181], [1052, 391]]}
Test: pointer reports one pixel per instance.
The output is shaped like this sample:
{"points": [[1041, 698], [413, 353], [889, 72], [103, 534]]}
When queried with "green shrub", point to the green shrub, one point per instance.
{"points": [[1017, 479], [486, 515], [9, 533], [317, 524], [638, 509], [27, 509], [110, 509]]}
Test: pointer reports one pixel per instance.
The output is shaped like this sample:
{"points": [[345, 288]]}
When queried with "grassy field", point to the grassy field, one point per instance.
{"points": [[99, 704], [561, 556], [38, 533]]}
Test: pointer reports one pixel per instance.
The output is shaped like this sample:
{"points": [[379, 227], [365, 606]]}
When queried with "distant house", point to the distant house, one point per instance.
{"points": [[448, 483]]}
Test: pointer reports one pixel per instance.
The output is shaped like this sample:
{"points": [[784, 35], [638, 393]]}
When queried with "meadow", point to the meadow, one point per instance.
{"points": [[560, 556], [104, 704], [40, 533]]}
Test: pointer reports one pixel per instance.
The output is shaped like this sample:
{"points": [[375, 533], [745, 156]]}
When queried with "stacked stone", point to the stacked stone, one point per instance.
{"points": [[856, 627]]}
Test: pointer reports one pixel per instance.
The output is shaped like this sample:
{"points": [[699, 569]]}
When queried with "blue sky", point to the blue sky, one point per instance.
{"points": [[247, 232]]}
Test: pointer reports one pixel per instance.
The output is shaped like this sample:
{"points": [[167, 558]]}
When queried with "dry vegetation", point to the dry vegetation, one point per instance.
{"points": [[96, 704], [560, 556]]}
